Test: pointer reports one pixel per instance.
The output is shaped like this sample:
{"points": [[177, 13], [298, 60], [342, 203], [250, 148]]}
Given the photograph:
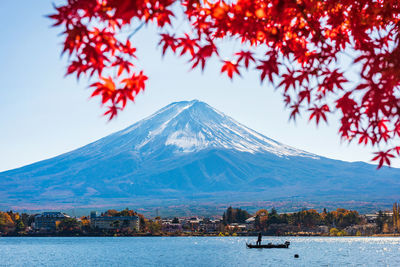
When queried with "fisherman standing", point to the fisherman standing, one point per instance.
{"points": [[259, 239]]}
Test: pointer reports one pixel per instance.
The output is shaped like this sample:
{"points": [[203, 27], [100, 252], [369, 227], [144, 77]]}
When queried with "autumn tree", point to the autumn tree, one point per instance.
{"points": [[342, 218], [68, 225], [123, 213], [298, 46], [261, 218], [142, 222], [154, 227], [308, 218], [126, 213], [6, 222], [111, 213], [85, 223]]}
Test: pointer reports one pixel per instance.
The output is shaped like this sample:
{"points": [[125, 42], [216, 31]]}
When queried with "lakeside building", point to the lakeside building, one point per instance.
{"points": [[250, 223], [237, 226], [191, 224], [365, 229], [371, 218], [209, 225], [114, 222], [170, 227], [48, 220], [195, 224]]}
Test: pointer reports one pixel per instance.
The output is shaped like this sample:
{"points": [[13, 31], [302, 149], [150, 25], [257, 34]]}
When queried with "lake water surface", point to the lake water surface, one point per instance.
{"points": [[197, 251]]}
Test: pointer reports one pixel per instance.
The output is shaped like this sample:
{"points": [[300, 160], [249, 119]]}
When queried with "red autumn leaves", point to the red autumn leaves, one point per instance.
{"points": [[295, 45]]}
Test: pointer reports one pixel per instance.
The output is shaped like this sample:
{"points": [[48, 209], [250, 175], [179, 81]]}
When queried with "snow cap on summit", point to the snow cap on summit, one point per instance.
{"points": [[189, 126]]}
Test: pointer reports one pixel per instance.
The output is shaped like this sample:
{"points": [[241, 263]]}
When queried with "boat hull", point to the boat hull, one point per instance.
{"points": [[286, 245]]}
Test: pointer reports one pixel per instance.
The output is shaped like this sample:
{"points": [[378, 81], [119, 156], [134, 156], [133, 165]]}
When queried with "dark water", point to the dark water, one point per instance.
{"points": [[197, 251]]}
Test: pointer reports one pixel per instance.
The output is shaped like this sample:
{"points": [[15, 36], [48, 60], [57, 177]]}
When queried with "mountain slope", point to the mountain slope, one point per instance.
{"points": [[188, 150]]}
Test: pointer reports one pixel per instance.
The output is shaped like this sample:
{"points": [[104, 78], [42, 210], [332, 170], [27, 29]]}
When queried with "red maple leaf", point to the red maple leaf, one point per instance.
{"points": [[230, 68], [247, 56], [167, 41], [112, 111], [383, 157], [268, 68], [319, 112]]}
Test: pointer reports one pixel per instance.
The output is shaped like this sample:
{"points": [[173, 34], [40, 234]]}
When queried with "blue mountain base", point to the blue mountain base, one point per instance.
{"points": [[188, 152]]}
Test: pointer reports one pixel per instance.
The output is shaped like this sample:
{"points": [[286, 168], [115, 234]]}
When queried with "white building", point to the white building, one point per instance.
{"points": [[111, 223]]}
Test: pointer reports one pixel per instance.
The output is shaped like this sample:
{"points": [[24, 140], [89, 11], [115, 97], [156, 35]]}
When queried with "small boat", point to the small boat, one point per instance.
{"points": [[270, 245]]}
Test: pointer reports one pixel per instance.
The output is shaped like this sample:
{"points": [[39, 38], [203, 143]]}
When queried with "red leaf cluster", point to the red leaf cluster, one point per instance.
{"points": [[296, 44]]}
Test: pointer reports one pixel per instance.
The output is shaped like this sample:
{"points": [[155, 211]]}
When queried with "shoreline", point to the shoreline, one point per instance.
{"points": [[193, 235]]}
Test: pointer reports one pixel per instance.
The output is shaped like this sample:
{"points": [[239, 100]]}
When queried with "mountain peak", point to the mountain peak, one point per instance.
{"points": [[189, 126], [184, 103]]}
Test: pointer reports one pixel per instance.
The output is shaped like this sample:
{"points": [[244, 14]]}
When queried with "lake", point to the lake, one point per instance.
{"points": [[197, 251]]}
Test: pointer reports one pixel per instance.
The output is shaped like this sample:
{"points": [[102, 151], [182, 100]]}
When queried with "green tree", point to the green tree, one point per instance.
{"points": [[19, 226], [234, 215], [27, 219], [229, 215], [380, 221], [273, 217]]}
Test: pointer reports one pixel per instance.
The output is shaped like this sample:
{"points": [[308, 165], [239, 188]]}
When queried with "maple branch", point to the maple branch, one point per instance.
{"points": [[136, 30]]}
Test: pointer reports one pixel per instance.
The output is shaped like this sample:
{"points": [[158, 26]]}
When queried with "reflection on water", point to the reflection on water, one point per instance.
{"points": [[197, 251]]}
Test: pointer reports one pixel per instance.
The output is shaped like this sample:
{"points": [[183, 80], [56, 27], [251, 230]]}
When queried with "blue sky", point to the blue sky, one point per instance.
{"points": [[44, 114]]}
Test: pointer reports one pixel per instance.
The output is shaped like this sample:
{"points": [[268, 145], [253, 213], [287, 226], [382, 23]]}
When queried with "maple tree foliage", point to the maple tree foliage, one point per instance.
{"points": [[296, 45]]}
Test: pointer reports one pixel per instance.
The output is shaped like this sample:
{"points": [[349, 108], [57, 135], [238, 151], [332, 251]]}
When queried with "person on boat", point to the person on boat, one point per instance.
{"points": [[258, 243]]}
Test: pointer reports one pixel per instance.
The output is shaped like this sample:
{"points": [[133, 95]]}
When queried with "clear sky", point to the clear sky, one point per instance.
{"points": [[44, 114]]}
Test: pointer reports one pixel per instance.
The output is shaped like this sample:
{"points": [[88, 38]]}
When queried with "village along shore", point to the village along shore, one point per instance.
{"points": [[233, 222]]}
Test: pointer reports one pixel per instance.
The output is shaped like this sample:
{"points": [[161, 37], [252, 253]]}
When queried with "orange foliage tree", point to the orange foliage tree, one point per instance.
{"points": [[296, 45], [6, 222]]}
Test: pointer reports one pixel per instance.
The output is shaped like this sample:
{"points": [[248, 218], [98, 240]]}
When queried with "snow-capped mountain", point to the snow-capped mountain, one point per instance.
{"points": [[190, 150], [192, 126]]}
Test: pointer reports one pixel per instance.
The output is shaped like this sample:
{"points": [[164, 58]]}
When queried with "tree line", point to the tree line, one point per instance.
{"points": [[307, 218], [336, 222], [340, 218]]}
